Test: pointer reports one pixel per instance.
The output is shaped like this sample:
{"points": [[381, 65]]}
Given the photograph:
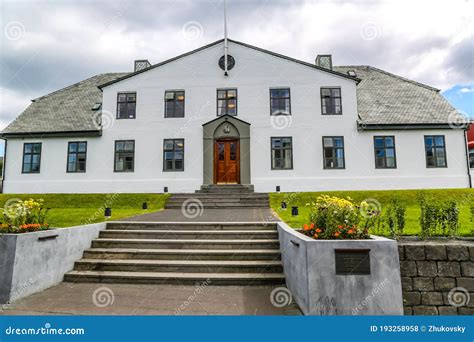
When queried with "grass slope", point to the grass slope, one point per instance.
{"points": [[409, 197], [68, 210]]}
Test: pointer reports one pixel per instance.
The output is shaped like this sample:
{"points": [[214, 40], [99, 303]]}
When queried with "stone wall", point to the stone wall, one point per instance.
{"points": [[430, 270]]}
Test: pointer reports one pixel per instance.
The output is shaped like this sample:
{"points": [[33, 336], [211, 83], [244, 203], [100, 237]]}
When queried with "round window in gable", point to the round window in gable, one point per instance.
{"points": [[230, 62]]}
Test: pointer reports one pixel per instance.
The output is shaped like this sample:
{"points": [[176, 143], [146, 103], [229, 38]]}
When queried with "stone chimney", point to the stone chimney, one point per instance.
{"points": [[324, 61], [141, 64]]}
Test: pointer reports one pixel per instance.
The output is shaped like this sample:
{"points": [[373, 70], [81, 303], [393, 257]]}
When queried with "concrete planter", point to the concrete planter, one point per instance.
{"points": [[32, 262], [310, 271]]}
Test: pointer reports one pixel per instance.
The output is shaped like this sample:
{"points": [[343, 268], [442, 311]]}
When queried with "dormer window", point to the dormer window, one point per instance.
{"points": [[331, 101], [126, 105]]}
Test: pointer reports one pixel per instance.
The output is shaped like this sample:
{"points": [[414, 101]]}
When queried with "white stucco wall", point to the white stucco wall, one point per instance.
{"points": [[253, 75]]}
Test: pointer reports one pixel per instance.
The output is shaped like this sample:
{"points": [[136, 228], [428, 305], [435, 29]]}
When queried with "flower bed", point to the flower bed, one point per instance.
{"points": [[338, 218], [24, 216]]}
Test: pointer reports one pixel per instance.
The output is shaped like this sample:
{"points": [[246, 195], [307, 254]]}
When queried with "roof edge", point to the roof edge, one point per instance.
{"points": [[160, 64], [408, 126], [59, 134], [390, 74]]}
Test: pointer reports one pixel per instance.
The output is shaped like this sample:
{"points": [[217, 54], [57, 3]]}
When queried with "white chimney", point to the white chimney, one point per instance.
{"points": [[324, 61]]}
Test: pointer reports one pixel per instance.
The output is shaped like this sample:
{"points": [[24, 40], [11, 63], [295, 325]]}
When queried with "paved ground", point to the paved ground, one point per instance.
{"points": [[209, 215], [123, 299]]}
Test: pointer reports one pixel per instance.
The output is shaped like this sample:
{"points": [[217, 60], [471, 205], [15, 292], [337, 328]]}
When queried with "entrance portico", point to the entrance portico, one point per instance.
{"points": [[226, 151]]}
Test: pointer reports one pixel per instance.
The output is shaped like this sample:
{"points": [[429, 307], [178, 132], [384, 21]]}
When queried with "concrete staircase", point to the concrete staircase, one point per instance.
{"points": [[221, 197], [182, 253]]}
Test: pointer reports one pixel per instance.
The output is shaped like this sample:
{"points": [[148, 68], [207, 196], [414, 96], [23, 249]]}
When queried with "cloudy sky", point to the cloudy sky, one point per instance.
{"points": [[46, 45]]}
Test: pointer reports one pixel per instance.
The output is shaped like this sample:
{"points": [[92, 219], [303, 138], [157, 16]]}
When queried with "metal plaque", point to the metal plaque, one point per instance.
{"points": [[352, 261]]}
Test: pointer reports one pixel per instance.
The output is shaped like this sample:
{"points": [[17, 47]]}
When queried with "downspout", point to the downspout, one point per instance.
{"points": [[4, 165], [467, 157]]}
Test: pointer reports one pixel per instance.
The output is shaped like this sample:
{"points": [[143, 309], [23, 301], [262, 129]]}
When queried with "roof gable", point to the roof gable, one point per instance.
{"points": [[274, 54]]}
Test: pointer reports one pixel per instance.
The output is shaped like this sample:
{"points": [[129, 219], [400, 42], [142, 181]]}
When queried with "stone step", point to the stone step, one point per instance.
{"points": [[217, 205], [227, 186], [191, 225], [186, 243], [181, 254], [221, 195], [221, 199], [188, 234], [181, 266], [175, 278]]}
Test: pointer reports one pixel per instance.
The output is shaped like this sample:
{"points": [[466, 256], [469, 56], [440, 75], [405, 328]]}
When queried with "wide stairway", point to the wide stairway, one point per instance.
{"points": [[183, 253], [221, 197]]}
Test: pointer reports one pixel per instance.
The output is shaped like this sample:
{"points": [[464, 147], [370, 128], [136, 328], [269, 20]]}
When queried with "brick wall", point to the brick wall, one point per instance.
{"points": [[430, 270]]}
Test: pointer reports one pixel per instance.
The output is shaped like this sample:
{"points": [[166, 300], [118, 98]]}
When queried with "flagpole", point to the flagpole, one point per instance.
{"points": [[225, 38]]}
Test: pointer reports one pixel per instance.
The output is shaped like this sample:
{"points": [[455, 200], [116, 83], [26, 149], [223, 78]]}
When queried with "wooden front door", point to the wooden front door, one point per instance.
{"points": [[227, 161]]}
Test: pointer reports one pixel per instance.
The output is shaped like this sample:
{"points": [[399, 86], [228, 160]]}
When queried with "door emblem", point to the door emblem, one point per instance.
{"points": [[226, 129]]}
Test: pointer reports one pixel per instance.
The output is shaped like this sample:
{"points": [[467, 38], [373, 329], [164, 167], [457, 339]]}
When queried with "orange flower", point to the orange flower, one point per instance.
{"points": [[336, 234], [305, 226], [340, 227], [315, 236], [311, 225], [318, 230], [350, 231]]}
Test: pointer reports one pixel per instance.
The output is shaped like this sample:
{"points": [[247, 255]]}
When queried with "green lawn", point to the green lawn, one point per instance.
{"points": [[68, 210], [409, 197]]}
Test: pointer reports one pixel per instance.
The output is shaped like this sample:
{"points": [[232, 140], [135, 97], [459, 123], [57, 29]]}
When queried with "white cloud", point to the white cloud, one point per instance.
{"points": [[467, 90], [12, 103]]}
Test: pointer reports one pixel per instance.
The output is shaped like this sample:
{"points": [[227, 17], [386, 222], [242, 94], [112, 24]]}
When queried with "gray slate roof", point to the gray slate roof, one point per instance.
{"points": [[65, 110], [382, 98], [387, 99]]}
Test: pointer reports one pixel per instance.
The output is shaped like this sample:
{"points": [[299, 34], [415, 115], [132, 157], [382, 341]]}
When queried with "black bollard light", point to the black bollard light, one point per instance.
{"points": [[277, 188], [283, 205], [145, 206], [294, 211], [108, 212], [165, 190]]}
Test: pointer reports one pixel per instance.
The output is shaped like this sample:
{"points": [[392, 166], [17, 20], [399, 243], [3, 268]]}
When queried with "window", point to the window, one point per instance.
{"points": [[174, 104], [126, 105], [124, 155], [173, 155], [31, 157], [227, 101], [76, 156], [435, 151], [280, 101], [333, 151], [471, 157], [331, 101], [282, 153], [385, 152]]}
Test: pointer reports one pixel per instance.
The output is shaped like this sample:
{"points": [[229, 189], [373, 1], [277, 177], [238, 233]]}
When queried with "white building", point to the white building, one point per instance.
{"points": [[272, 121]]}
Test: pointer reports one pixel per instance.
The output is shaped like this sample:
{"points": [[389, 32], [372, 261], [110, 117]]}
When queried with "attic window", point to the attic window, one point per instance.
{"points": [[96, 106], [351, 73]]}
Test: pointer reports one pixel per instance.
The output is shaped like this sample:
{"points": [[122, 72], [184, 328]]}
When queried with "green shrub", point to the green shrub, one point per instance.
{"points": [[438, 217], [394, 217]]}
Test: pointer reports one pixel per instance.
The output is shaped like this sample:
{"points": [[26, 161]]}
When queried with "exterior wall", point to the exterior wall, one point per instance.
{"points": [[431, 270], [310, 272], [254, 73], [33, 262]]}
